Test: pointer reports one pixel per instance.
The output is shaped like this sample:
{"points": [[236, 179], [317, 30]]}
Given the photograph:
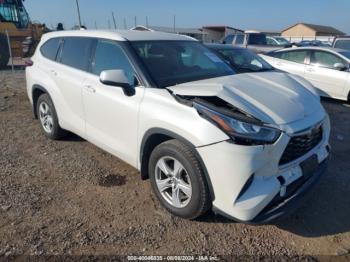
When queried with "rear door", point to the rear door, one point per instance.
{"points": [[291, 61], [70, 74], [323, 74]]}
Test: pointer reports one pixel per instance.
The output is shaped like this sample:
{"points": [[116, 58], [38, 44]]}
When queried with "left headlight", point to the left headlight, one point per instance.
{"points": [[241, 131]]}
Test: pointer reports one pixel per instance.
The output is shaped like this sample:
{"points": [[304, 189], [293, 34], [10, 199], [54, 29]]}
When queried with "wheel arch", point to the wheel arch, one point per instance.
{"points": [[154, 137], [37, 91]]}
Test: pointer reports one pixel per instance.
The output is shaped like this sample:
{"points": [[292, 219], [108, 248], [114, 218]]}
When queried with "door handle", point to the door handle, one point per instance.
{"points": [[53, 72], [90, 89]]}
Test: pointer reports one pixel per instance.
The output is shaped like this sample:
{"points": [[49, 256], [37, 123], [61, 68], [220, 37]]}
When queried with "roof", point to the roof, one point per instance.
{"points": [[319, 29], [121, 35], [169, 29], [336, 50]]}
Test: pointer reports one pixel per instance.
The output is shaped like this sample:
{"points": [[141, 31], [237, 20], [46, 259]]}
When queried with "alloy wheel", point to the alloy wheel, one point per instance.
{"points": [[173, 182], [46, 118]]}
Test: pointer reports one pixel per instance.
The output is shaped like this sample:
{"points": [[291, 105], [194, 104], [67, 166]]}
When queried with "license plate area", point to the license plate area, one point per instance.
{"points": [[309, 166]]}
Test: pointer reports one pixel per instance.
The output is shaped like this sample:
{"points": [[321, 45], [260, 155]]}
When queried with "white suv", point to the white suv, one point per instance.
{"points": [[245, 145]]}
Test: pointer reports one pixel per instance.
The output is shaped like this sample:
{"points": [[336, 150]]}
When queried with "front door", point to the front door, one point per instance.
{"points": [[111, 116], [324, 76]]}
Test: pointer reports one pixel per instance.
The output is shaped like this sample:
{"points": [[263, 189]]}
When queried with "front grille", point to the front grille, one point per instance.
{"points": [[301, 145]]}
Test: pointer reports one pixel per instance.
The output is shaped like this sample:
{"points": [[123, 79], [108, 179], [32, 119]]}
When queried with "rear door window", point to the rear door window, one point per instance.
{"points": [[239, 40], [228, 39], [76, 52], [293, 56], [50, 48]]}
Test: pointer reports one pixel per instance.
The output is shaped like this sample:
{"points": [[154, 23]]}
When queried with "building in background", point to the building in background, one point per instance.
{"points": [[192, 32], [206, 34], [214, 34], [303, 30]]}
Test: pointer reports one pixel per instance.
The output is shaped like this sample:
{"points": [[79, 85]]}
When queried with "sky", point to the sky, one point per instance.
{"points": [[264, 15]]}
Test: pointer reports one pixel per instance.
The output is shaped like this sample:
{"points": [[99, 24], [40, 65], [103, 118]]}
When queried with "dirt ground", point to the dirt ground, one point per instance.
{"points": [[69, 197]]}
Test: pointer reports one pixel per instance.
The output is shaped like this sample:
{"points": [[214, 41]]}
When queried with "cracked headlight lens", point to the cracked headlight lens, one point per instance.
{"points": [[240, 131]]}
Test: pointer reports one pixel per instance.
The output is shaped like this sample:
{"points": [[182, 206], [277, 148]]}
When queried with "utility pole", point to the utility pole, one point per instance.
{"points": [[125, 25], [96, 25], [174, 23], [78, 9], [115, 23]]}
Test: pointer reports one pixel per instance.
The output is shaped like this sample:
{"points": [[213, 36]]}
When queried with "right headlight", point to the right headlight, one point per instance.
{"points": [[241, 132]]}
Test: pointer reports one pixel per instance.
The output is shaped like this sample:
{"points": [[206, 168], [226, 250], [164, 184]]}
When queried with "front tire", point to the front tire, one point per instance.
{"points": [[178, 180], [47, 115]]}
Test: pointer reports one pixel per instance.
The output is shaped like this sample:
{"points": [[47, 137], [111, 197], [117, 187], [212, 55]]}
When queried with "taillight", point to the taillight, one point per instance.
{"points": [[28, 62]]}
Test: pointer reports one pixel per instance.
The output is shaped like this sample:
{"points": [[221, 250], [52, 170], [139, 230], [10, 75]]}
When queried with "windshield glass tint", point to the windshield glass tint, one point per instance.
{"points": [[343, 44], [257, 39], [244, 60], [346, 54], [282, 40], [175, 62]]}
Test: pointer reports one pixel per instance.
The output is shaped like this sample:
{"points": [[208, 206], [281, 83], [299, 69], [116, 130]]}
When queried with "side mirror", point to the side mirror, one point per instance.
{"points": [[117, 78], [340, 67]]}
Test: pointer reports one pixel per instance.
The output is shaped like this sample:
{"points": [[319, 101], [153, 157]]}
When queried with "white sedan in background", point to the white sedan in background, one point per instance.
{"points": [[326, 68]]}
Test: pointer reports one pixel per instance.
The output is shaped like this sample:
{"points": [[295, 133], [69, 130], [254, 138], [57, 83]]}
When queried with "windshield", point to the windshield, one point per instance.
{"points": [[282, 41], [346, 54], [244, 60], [343, 44], [175, 62]]}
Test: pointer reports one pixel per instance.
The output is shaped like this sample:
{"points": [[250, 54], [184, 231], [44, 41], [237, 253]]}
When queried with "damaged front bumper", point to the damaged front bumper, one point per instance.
{"points": [[251, 186]]}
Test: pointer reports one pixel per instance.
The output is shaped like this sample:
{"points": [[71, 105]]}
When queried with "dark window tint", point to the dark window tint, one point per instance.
{"points": [[50, 48], [175, 62], [342, 44], [244, 60], [293, 56], [109, 56], [228, 39], [239, 39], [326, 59], [257, 39], [76, 52], [346, 54]]}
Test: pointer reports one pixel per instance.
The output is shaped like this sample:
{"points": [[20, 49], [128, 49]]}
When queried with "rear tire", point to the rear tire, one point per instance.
{"points": [[47, 115], [4, 52], [182, 189]]}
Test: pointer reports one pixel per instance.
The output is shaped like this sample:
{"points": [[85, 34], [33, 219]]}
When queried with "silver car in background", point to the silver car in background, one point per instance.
{"points": [[328, 69]]}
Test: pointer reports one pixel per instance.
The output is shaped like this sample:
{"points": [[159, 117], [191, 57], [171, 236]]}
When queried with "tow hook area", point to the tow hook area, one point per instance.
{"points": [[288, 177]]}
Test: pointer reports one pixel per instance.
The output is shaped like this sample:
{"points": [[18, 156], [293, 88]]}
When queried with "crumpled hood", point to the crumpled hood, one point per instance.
{"points": [[272, 97]]}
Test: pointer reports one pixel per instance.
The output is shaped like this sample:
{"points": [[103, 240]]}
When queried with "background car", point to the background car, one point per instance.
{"points": [[342, 42], [311, 43], [326, 68], [241, 59], [253, 40], [277, 40]]}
